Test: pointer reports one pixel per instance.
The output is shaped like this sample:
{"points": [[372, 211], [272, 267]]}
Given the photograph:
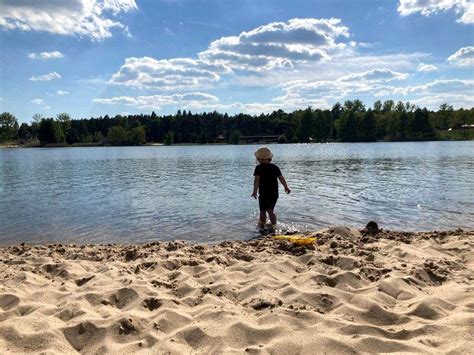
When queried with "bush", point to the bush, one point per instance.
{"points": [[282, 139], [137, 136], [117, 135]]}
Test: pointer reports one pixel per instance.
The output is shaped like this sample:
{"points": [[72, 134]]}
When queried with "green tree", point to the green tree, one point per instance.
{"points": [[64, 120], [354, 106], [169, 138], [347, 127], [377, 106], [136, 136], [24, 132], [337, 110], [367, 128], [421, 127], [117, 135], [37, 117], [50, 132], [323, 125], [8, 127], [388, 106], [98, 137], [306, 126], [235, 137], [400, 107], [444, 116]]}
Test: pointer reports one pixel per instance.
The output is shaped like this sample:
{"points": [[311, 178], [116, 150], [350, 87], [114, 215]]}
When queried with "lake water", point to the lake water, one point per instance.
{"points": [[202, 193]]}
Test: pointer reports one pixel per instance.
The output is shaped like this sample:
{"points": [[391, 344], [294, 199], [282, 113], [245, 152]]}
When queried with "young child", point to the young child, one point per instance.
{"points": [[266, 183]]}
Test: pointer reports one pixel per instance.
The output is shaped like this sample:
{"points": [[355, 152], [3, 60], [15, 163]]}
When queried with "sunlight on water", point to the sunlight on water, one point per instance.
{"points": [[202, 193]]}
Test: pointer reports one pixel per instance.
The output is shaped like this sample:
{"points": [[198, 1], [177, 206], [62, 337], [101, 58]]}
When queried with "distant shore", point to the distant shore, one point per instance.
{"points": [[352, 290], [82, 145]]}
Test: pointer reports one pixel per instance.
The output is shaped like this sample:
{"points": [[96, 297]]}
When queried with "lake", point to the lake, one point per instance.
{"points": [[202, 193]]}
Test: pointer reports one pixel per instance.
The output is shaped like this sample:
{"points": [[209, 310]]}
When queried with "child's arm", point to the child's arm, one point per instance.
{"points": [[256, 181], [285, 185]]}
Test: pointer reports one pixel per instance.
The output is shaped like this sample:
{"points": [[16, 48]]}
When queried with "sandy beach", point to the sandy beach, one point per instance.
{"points": [[352, 291]]}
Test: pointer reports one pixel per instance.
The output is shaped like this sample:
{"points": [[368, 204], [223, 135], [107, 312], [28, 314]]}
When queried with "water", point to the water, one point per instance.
{"points": [[202, 193]]}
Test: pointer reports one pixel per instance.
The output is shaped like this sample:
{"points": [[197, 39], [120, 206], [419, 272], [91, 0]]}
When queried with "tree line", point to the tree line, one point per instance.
{"points": [[347, 122]]}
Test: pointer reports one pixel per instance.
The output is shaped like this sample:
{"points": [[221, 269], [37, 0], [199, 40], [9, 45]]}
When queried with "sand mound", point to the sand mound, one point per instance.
{"points": [[352, 291]]}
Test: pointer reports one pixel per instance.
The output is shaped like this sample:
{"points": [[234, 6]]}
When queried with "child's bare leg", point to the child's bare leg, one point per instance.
{"points": [[263, 218], [273, 217]]}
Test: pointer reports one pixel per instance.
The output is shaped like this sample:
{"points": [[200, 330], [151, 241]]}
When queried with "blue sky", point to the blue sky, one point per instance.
{"points": [[96, 57]]}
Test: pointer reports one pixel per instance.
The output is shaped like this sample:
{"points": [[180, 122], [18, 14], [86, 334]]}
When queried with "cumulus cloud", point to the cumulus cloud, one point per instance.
{"points": [[284, 45], [37, 101], [87, 18], [428, 7], [457, 92], [426, 68], [300, 93], [463, 57], [450, 86], [62, 93], [45, 55], [167, 74], [46, 77], [375, 76], [434, 101], [280, 44], [313, 58], [190, 100]]}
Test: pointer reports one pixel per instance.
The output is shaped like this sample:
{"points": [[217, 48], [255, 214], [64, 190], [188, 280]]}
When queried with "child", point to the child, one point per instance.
{"points": [[265, 182]]}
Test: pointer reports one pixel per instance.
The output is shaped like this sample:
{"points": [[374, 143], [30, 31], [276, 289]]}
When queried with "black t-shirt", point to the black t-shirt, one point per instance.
{"points": [[268, 185]]}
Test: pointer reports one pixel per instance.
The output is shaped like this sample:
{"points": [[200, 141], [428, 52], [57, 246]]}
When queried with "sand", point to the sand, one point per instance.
{"points": [[351, 292]]}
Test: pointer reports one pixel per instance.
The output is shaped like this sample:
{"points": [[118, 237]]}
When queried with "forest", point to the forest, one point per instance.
{"points": [[347, 122]]}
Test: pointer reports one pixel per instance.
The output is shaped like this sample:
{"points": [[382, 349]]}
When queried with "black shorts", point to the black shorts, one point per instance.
{"points": [[267, 202]]}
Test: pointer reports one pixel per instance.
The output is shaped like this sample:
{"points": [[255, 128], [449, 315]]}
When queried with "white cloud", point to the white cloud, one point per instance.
{"points": [[426, 68], [46, 55], [62, 93], [191, 100], [319, 93], [312, 62], [463, 57], [375, 76], [37, 101], [457, 92], [167, 74], [88, 18], [429, 7], [439, 87], [280, 44], [434, 101], [51, 76], [266, 55]]}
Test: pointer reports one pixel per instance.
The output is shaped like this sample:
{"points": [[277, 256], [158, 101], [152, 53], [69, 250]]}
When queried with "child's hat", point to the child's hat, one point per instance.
{"points": [[263, 153]]}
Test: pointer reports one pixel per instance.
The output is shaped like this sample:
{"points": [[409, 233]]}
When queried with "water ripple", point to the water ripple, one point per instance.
{"points": [[202, 193]]}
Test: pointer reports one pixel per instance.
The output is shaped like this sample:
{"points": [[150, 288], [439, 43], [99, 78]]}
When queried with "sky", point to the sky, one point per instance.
{"points": [[90, 58]]}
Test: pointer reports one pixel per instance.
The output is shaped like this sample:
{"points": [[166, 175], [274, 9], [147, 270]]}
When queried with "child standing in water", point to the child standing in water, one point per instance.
{"points": [[266, 176]]}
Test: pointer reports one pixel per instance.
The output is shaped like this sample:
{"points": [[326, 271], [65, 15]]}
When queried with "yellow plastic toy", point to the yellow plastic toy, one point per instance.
{"points": [[297, 238]]}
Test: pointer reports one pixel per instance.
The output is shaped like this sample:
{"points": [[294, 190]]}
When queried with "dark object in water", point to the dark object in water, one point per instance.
{"points": [[372, 228]]}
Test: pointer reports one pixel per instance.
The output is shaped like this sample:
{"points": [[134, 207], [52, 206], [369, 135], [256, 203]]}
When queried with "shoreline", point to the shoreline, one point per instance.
{"points": [[95, 145], [366, 290]]}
